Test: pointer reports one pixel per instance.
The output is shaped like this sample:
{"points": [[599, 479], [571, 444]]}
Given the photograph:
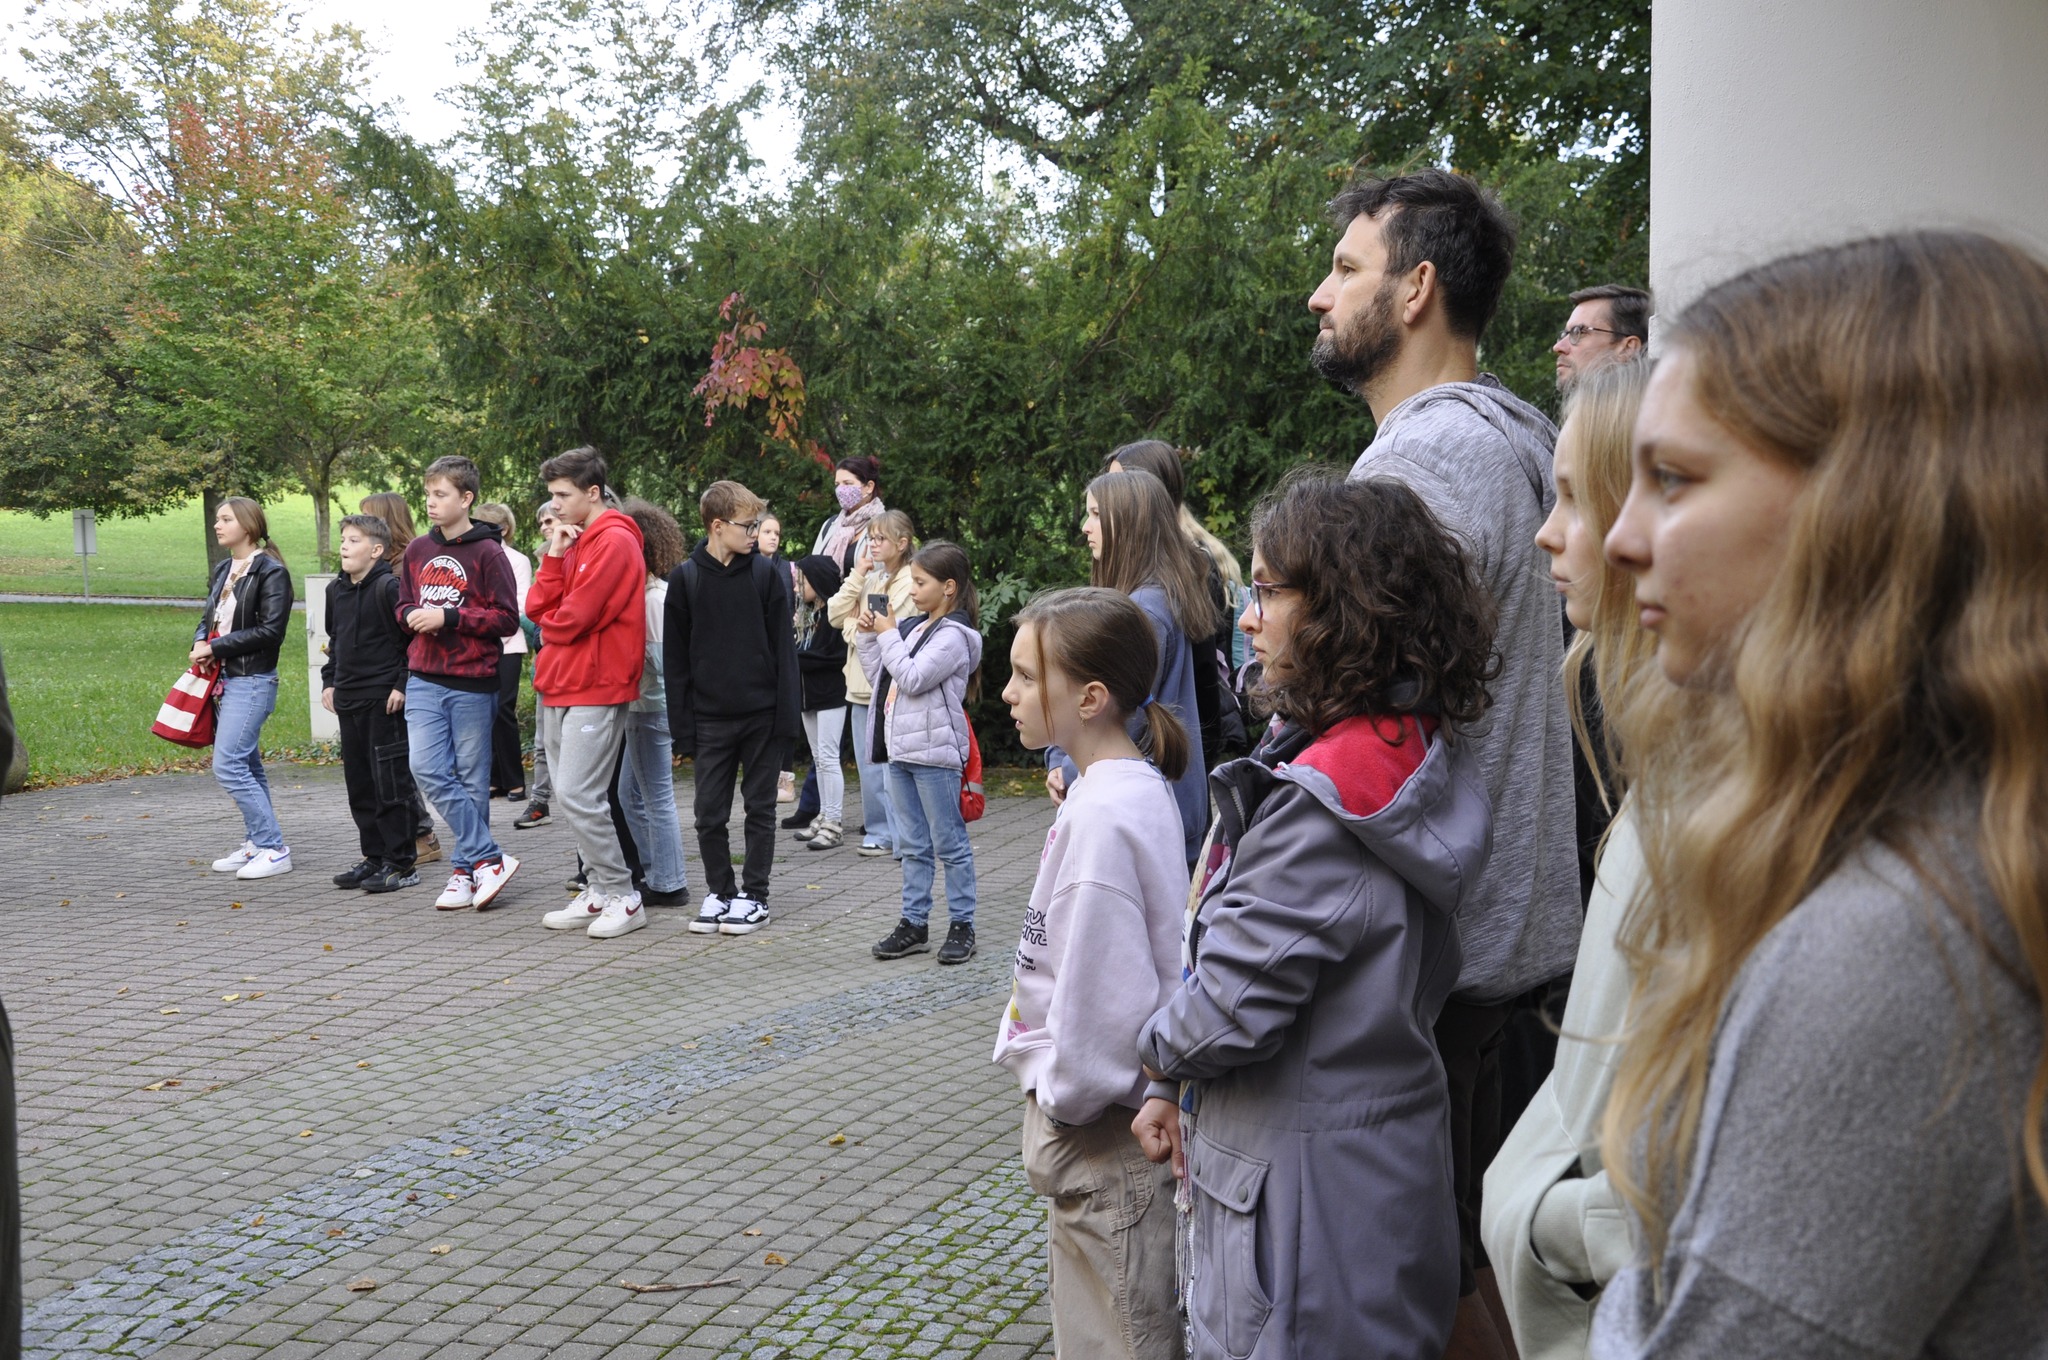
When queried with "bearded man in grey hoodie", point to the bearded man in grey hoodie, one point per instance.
{"points": [[1416, 275]]}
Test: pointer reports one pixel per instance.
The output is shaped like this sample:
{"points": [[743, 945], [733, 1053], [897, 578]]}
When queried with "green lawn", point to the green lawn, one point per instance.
{"points": [[85, 682], [161, 556]]}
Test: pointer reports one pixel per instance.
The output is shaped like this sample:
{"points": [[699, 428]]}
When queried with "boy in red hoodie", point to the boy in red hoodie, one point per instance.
{"points": [[588, 602], [456, 598]]}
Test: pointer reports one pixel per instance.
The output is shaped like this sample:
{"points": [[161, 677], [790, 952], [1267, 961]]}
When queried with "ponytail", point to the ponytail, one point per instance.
{"points": [[271, 548], [1093, 634], [1166, 740]]}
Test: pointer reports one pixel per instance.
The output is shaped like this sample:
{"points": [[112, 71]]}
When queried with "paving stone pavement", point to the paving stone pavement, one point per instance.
{"points": [[496, 1124]]}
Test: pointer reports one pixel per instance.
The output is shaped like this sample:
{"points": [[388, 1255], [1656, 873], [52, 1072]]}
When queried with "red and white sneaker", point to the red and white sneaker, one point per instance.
{"points": [[621, 916], [583, 910], [490, 879], [459, 895]]}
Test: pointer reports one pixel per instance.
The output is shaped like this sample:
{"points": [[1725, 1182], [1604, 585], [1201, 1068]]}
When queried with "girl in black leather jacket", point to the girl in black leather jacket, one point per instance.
{"points": [[248, 607]]}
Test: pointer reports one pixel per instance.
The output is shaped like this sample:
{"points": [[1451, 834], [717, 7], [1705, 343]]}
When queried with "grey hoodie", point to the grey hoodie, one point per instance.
{"points": [[1323, 948], [1479, 457]]}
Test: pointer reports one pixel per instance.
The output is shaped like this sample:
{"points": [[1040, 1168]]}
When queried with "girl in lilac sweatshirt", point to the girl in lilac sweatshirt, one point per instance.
{"points": [[1099, 952]]}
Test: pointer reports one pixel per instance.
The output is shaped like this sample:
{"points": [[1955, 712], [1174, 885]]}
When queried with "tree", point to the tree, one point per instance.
{"points": [[271, 330], [109, 81], [70, 268]]}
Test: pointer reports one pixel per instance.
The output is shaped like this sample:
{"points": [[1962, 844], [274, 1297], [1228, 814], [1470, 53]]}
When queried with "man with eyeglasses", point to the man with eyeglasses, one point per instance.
{"points": [[1417, 273], [1609, 321], [734, 696]]}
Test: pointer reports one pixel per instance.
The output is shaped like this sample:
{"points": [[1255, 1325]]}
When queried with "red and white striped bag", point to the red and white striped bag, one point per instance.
{"points": [[186, 717]]}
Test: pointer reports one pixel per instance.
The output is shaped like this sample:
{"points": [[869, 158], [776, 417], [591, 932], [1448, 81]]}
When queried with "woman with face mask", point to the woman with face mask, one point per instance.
{"points": [[857, 487]]}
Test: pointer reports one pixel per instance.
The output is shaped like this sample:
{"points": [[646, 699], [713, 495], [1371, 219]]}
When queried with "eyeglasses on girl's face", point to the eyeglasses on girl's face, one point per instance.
{"points": [[1260, 590]]}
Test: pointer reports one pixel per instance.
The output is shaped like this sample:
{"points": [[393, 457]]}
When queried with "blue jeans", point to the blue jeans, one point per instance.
{"points": [[647, 790], [925, 801], [874, 784], [449, 733], [246, 702]]}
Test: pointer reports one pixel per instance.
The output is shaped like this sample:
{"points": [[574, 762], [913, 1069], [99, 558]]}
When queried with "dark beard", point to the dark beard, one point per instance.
{"points": [[1354, 358]]}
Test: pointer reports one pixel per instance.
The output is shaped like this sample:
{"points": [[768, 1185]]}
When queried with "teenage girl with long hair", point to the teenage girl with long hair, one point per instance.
{"points": [[1550, 1219], [1135, 543], [1828, 1114], [1218, 655], [891, 541], [1098, 953], [396, 513], [1314, 1123], [248, 609], [932, 667]]}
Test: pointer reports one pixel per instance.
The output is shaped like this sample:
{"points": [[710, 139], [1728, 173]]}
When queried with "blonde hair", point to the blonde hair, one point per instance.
{"points": [[500, 514], [1901, 649], [1599, 427]]}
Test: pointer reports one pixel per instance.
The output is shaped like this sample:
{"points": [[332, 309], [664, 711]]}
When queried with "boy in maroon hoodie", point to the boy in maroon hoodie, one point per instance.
{"points": [[588, 601], [456, 598]]}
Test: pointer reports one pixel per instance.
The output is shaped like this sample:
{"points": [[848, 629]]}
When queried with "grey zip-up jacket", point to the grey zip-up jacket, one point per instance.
{"points": [[1323, 948], [927, 722], [1479, 457]]}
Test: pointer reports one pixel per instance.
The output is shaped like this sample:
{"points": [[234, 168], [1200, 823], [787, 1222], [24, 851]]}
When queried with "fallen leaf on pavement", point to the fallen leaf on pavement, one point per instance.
{"points": [[441, 1248], [752, 1232], [181, 923], [258, 996], [686, 1045], [412, 1197], [774, 1258], [160, 1085], [122, 992], [256, 1222], [120, 894], [814, 887], [328, 947], [337, 1232], [234, 906], [305, 1133], [63, 901], [362, 1286], [364, 1063], [459, 1152], [231, 996], [168, 1010], [836, 1140], [767, 1038], [249, 979]]}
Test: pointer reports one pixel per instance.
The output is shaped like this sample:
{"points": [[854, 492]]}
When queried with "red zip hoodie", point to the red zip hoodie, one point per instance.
{"points": [[592, 613]]}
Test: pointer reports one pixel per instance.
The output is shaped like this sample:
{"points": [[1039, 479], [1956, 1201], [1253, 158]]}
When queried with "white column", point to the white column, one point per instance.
{"points": [[1781, 124]]}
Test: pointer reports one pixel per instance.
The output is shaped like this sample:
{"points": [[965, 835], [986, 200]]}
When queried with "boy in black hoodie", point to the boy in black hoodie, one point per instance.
{"points": [[362, 684], [729, 662]]}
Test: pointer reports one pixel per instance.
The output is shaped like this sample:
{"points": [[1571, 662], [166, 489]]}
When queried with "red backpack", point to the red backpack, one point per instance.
{"points": [[973, 801]]}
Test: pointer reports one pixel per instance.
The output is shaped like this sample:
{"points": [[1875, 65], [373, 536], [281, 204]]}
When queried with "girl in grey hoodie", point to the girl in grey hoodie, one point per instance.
{"points": [[1314, 1120]]}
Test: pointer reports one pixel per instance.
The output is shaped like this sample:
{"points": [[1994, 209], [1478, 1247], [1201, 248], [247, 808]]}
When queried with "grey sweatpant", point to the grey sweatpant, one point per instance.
{"points": [[582, 744]]}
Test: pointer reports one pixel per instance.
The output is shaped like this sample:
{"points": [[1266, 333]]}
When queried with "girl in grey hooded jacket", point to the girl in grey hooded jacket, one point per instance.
{"points": [[1314, 1114]]}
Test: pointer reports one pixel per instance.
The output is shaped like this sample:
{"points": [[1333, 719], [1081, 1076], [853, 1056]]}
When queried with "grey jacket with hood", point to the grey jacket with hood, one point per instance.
{"points": [[1323, 948], [926, 722], [1479, 457]]}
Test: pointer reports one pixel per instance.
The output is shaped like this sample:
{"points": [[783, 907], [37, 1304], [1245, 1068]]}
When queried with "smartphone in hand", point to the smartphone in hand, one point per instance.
{"points": [[878, 603]]}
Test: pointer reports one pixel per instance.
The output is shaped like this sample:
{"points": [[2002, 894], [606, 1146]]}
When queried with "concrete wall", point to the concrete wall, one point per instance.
{"points": [[1777, 124]]}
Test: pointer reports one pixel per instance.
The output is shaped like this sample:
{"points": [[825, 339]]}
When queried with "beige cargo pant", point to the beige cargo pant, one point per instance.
{"points": [[1111, 1257]]}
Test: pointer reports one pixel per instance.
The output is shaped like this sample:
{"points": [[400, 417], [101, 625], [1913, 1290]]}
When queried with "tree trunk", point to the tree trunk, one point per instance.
{"points": [[317, 479], [209, 506]]}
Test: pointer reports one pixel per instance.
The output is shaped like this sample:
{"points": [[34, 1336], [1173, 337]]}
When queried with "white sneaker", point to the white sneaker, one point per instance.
{"points": [[491, 877], [234, 860], [460, 893], [621, 916], [267, 864], [744, 916], [583, 909], [710, 914]]}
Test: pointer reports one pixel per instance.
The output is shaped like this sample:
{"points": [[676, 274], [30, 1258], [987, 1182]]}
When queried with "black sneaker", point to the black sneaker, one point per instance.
{"points": [[536, 814], [797, 819], [904, 939], [353, 878], [390, 878], [959, 945], [680, 897]]}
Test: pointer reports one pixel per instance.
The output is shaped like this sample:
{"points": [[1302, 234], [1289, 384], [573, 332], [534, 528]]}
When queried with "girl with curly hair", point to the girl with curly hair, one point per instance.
{"points": [[1313, 1120]]}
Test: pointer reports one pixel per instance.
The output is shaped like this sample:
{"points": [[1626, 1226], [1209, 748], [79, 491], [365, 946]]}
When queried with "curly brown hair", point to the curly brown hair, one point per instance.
{"points": [[661, 538], [1393, 618]]}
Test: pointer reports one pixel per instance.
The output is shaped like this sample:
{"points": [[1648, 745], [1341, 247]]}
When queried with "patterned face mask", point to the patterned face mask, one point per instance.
{"points": [[850, 496]]}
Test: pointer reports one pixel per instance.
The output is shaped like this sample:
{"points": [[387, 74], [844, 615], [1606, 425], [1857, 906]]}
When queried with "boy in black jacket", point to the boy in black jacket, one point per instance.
{"points": [[729, 663], [363, 685]]}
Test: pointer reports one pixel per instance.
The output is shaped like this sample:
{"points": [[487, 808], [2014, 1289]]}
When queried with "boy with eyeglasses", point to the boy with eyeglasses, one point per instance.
{"points": [[734, 693]]}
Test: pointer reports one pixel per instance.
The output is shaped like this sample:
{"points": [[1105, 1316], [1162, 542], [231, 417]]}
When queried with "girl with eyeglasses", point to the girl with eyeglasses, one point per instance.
{"points": [[1297, 1084]]}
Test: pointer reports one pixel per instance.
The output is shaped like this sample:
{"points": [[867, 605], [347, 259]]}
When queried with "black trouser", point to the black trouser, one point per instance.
{"points": [[1468, 1038], [380, 789], [747, 746], [508, 770]]}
